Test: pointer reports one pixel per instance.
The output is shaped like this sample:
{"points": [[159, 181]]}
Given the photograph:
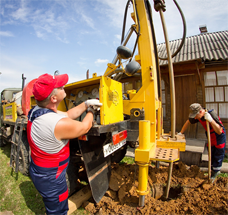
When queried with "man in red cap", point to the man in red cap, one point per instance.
{"points": [[217, 134], [49, 131]]}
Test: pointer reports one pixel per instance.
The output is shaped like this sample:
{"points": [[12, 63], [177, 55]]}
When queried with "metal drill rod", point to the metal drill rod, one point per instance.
{"points": [[141, 201], [171, 77]]}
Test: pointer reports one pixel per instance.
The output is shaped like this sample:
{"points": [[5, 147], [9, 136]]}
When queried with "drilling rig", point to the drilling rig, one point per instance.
{"points": [[131, 114]]}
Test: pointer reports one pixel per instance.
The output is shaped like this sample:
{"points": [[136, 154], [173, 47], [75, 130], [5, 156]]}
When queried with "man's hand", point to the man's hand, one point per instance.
{"points": [[93, 102], [90, 109], [208, 117]]}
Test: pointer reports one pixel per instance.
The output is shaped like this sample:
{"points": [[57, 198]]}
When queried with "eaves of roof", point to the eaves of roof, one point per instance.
{"points": [[206, 46]]}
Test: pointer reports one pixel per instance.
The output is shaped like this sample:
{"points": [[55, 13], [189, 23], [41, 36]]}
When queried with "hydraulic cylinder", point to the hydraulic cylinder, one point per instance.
{"points": [[144, 146]]}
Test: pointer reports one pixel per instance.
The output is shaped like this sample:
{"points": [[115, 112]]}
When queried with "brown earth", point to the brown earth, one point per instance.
{"points": [[190, 192]]}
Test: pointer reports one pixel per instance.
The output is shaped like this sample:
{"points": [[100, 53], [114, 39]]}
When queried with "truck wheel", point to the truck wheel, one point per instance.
{"points": [[2, 142], [23, 154], [119, 155], [72, 178]]}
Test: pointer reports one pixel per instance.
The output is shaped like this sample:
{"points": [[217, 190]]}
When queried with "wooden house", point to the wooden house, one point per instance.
{"points": [[200, 75]]}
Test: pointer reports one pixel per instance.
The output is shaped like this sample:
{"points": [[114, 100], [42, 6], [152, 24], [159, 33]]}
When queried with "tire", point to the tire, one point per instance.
{"points": [[119, 155], [1, 141], [23, 154]]}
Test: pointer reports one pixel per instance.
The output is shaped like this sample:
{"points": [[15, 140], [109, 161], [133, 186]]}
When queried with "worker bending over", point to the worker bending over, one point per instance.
{"points": [[49, 131], [217, 134]]}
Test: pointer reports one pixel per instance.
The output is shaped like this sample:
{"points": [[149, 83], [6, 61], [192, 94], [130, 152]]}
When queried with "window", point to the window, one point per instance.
{"points": [[216, 92]]}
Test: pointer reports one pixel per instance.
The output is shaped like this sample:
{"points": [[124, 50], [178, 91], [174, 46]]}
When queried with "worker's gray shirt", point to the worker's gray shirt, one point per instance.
{"points": [[42, 132]]}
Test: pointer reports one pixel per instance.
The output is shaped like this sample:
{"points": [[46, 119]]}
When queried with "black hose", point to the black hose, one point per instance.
{"points": [[184, 33], [124, 21]]}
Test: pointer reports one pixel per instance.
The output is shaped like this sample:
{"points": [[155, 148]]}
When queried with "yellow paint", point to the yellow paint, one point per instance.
{"points": [[112, 99], [172, 143], [131, 93], [10, 112], [83, 83], [159, 121], [143, 178], [142, 155]]}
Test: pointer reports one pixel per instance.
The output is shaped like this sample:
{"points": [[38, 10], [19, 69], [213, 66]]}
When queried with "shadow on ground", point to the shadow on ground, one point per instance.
{"points": [[32, 198], [6, 149]]}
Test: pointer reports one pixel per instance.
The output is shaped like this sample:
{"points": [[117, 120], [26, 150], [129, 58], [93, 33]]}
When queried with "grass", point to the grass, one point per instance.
{"points": [[127, 160], [17, 192], [223, 175], [225, 158]]}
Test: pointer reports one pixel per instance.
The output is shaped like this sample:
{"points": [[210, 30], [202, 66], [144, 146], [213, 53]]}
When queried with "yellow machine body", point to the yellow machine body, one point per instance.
{"points": [[108, 91], [147, 96], [173, 143], [112, 99], [10, 112]]}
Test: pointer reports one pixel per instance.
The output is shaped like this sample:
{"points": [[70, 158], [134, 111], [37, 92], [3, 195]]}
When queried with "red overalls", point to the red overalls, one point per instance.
{"points": [[48, 171], [218, 142]]}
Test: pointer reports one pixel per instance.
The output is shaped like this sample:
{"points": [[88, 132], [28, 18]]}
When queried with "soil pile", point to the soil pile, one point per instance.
{"points": [[190, 192]]}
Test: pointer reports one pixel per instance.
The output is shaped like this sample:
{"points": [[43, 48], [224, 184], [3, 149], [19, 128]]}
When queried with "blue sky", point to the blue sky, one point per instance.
{"points": [[72, 36]]}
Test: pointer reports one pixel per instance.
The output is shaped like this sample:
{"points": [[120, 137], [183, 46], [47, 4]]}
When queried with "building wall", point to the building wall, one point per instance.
{"points": [[187, 90], [185, 73]]}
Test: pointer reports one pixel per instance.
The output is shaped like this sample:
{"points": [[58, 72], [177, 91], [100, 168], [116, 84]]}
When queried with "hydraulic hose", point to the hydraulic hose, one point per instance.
{"points": [[124, 21], [184, 32], [124, 39], [124, 24], [171, 78]]}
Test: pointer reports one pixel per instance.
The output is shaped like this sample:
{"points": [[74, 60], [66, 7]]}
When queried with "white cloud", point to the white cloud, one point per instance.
{"points": [[82, 63], [118, 36], [41, 16], [6, 34], [101, 61], [21, 13], [211, 13], [114, 10], [88, 20], [47, 23], [12, 69]]}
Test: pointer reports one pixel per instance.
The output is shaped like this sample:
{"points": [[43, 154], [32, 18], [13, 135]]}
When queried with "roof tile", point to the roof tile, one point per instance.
{"points": [[208, 46]]}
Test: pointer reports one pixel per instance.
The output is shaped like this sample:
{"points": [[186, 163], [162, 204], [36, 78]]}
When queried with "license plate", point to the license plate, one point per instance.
{"points": [[110, 148]]}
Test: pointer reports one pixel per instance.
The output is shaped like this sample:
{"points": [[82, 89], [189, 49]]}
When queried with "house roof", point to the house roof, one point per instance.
{"points": [[206, 46]]}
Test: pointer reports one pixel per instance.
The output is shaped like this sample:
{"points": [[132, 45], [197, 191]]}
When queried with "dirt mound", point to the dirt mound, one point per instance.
{"points": [[190, 192]]}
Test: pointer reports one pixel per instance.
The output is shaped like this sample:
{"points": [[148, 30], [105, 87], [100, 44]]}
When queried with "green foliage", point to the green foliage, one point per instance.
{"points": [[127, 160], [223, 175], [225, 158]]}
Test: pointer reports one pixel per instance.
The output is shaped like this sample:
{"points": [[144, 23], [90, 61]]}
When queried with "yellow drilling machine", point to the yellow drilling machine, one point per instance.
{"points": [[131, 115]]}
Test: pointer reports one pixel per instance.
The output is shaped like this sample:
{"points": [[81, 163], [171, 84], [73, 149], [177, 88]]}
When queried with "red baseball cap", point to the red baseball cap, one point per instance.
{"points": [[46, 83]]}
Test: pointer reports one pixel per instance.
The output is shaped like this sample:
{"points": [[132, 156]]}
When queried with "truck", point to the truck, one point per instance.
{"points": [[130, 91]]}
